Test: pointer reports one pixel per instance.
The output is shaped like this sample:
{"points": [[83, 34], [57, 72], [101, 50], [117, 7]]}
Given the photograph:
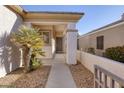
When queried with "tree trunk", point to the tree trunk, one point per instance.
{"points": [[31, 61], [26, 58]]}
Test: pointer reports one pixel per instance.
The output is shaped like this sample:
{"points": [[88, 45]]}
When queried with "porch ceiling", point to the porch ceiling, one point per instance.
{"points": [[56, 28]]}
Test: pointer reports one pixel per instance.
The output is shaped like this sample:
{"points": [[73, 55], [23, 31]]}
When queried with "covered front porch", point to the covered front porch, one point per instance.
{"points": [[58, 31]]}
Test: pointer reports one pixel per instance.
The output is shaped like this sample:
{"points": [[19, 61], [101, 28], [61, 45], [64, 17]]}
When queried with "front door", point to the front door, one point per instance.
{"points": [[58, 44]]}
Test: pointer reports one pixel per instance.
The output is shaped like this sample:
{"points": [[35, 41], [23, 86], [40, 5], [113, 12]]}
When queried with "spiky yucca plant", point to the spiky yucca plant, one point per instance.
{"points": [[31, 41]]}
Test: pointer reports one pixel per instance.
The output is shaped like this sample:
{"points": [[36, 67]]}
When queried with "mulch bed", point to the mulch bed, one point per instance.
{"points": [[82, 76], [33, 79]]}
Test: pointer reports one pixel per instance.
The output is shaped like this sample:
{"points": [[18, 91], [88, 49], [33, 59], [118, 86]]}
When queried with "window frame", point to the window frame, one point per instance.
{"points": [[49, 36], [100, 42]]}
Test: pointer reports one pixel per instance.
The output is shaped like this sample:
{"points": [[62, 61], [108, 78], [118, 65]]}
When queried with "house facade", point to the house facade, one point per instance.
{"points": [[111, 35], [58, 30]]}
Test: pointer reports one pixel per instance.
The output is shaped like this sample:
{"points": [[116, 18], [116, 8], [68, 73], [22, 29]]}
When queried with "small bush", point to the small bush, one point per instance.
{"points": [[91, 50], [115, 53], [35, 64]]}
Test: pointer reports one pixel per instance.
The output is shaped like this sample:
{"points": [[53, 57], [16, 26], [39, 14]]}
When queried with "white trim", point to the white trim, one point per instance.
{"points": [[121, 23]]}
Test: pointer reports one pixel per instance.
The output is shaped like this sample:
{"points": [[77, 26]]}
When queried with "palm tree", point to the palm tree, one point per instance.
{"points": [[31, 43]]}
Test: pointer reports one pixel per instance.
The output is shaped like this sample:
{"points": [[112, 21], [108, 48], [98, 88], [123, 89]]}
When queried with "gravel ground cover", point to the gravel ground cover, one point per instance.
{"points": [[82, 76], [33, 79]]}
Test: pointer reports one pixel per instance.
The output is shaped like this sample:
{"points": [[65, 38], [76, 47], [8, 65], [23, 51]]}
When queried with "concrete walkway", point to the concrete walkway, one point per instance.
{"points": [[60, 76]]}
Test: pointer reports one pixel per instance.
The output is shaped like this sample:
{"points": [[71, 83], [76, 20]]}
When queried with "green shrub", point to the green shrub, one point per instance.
{"points": [[91, 50], [35, 64], [115, 53]]}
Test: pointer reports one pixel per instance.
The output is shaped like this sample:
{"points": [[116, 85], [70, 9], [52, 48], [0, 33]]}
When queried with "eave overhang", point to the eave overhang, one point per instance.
{"points": [[46, 16], [53, 16], [17, 9]]}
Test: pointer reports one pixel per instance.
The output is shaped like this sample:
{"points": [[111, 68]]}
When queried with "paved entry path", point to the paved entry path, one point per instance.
{"points": [[60, 76]]}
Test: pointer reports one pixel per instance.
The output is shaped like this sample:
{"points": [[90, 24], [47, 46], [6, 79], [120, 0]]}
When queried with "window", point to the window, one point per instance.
{"points": [[100, 42], [78, 44], [46, 37]]}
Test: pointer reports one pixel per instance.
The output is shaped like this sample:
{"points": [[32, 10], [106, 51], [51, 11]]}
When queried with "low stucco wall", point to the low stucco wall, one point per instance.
{"points": [[9, 54], [89, 60]]}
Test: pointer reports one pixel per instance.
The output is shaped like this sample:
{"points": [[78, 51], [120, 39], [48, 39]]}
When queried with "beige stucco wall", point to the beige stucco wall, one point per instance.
{"points": [[84, 43], [9, 53], [112, 37]]}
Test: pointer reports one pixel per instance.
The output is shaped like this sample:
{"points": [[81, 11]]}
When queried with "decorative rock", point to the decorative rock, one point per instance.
{"points": [[82, 76], [19, 79]]}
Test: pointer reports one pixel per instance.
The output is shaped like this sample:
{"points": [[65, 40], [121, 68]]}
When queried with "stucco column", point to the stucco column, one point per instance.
{"points": [[71, 46]]}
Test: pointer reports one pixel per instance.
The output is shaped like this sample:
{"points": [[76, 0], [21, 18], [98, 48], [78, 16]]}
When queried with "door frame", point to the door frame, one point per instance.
{"points": [[61, 45]]}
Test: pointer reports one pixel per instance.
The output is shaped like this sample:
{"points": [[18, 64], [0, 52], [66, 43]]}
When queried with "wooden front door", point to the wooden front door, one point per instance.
{"points": [[59, 44]]}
